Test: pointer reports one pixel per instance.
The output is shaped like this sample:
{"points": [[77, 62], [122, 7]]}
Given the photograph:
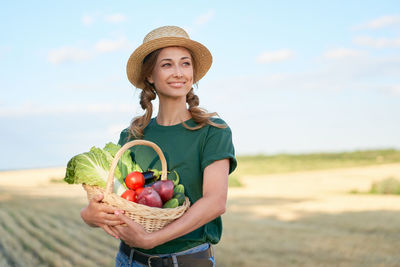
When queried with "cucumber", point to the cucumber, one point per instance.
{"points": [[180, 197], [179, 189], [170, 204], [174, 177]]}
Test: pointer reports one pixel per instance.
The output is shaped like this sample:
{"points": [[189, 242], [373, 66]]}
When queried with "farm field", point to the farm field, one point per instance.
{"points": [[304, 218]]}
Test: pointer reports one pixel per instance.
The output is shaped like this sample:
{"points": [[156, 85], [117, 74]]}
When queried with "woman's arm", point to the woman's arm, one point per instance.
{"points": [[206, 209]]}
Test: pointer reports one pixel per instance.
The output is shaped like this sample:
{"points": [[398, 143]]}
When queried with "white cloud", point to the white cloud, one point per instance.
{"points": [[68, 54], [205, 18], [87, 20], [275, 56], [394, 89], [107, 45], [354, 73], [363, 72], [199, 21], [299, 107], [384, 21], [33, 109], [376, 42], [115, 18], [189, 29], [341, 53], [75, 54]]}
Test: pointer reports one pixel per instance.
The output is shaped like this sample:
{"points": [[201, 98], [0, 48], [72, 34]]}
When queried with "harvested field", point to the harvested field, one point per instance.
{"points": [[293, 219]]}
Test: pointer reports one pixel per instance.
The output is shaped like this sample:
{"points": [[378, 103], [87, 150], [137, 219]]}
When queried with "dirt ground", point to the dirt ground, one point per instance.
{"points": [[311, 219], [293, 219], [320, 191], [39, 182], [304, 192]]}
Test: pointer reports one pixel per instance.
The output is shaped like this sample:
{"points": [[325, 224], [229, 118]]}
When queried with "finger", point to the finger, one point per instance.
{"points": [[109, 209], [122, 231], [112, 218], [97, 198], [115, 231], [124, 218], [114, 223], [109, 231]]}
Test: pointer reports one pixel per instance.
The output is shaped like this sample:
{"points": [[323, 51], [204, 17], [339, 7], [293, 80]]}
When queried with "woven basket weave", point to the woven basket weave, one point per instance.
{"points": [[150, 218]]}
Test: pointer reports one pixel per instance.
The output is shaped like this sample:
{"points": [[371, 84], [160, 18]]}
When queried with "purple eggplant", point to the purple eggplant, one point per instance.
{"points": [[151, 176]]}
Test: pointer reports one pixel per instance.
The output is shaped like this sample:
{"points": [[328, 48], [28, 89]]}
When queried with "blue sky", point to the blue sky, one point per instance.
{"points": [[287, 76]]}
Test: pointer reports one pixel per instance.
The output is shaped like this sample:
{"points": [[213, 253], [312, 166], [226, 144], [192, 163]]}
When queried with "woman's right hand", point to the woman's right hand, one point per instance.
{"points": [[97, 214]]}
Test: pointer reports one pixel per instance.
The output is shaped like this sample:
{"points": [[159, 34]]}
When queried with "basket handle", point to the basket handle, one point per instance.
{"points": [[110, 180]]}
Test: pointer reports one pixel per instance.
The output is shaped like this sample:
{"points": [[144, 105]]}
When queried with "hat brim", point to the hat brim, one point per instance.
{"points": [[202, 57]]}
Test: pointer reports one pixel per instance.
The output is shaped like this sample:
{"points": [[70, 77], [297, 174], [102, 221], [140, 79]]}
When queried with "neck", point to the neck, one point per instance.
{"points": [[172, 112]]}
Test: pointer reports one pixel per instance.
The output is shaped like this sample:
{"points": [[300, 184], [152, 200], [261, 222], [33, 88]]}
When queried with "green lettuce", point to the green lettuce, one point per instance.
{"points": [[125, 163], [92, 167], [112, 148]]}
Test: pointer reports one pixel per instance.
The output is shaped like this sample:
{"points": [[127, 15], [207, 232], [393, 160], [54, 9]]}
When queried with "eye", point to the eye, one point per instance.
{"points": [[187, 63], [166, 65]]}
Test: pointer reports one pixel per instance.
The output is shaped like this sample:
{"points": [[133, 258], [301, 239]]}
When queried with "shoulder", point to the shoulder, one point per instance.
{"points": [[126, 135], [125, 131], [123, 136], [218, 121], [223, 131]]}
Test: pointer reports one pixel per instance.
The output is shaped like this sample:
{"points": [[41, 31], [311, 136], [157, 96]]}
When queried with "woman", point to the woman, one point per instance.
{"points": [[196, 145]]}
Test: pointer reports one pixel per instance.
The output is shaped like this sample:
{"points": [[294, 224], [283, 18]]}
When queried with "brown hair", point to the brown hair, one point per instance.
{"points": [[199, 115]]}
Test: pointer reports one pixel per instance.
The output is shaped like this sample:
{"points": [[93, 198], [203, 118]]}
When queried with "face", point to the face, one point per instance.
{"points": [[172, 75]]}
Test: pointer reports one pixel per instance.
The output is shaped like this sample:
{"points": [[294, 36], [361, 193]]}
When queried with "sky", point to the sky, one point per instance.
{"points": [[287, 76]]}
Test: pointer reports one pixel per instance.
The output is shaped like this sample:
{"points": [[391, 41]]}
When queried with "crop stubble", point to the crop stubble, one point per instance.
{"points": [[299, 219]]}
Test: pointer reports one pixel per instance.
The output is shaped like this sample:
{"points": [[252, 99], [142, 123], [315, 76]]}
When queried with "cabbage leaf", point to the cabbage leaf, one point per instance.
{"points": [[92, 167], [125, 163]]}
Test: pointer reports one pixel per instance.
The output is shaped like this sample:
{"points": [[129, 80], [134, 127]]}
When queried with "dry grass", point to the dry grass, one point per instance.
{"points": [[292, 219], [48, 231], [309, 219]]}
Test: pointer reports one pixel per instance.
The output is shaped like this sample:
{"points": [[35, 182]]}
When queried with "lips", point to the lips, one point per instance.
{"points": [[176, 84]]}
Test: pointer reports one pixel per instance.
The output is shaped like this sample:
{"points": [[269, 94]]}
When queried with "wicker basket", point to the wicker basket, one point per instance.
{"points": [[150, 218]]}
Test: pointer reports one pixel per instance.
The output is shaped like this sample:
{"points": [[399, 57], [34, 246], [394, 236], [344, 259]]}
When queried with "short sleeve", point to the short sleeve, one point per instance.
{"points": [[218, 145], [123, 137]]}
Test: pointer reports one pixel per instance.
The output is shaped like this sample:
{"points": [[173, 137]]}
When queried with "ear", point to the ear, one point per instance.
{"points": [[150, 79]]}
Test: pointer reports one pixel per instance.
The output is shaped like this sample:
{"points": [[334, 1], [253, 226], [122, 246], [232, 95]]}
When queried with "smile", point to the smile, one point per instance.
{"points": [[177, 84]]}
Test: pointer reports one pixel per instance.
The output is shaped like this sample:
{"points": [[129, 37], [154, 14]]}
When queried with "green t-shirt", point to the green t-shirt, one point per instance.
{"points": [[188, 152]]}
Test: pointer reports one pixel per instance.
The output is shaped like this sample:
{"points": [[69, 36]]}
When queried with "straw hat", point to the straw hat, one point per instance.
{"points": [[164, 37]]}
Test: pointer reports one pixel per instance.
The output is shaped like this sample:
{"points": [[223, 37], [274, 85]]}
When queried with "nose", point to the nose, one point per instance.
{"points": [[178, 72]]}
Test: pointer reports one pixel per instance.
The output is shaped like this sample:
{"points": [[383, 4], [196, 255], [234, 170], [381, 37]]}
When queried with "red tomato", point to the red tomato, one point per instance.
{"points": [[129, 195], [138, 191], [134, 180]]}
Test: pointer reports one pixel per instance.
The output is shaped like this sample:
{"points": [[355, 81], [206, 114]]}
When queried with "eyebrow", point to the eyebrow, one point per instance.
{"points": [[169, 59]]}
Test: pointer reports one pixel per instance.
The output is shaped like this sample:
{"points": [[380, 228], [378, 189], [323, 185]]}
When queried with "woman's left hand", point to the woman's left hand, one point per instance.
{"points": [[133, 234]]}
